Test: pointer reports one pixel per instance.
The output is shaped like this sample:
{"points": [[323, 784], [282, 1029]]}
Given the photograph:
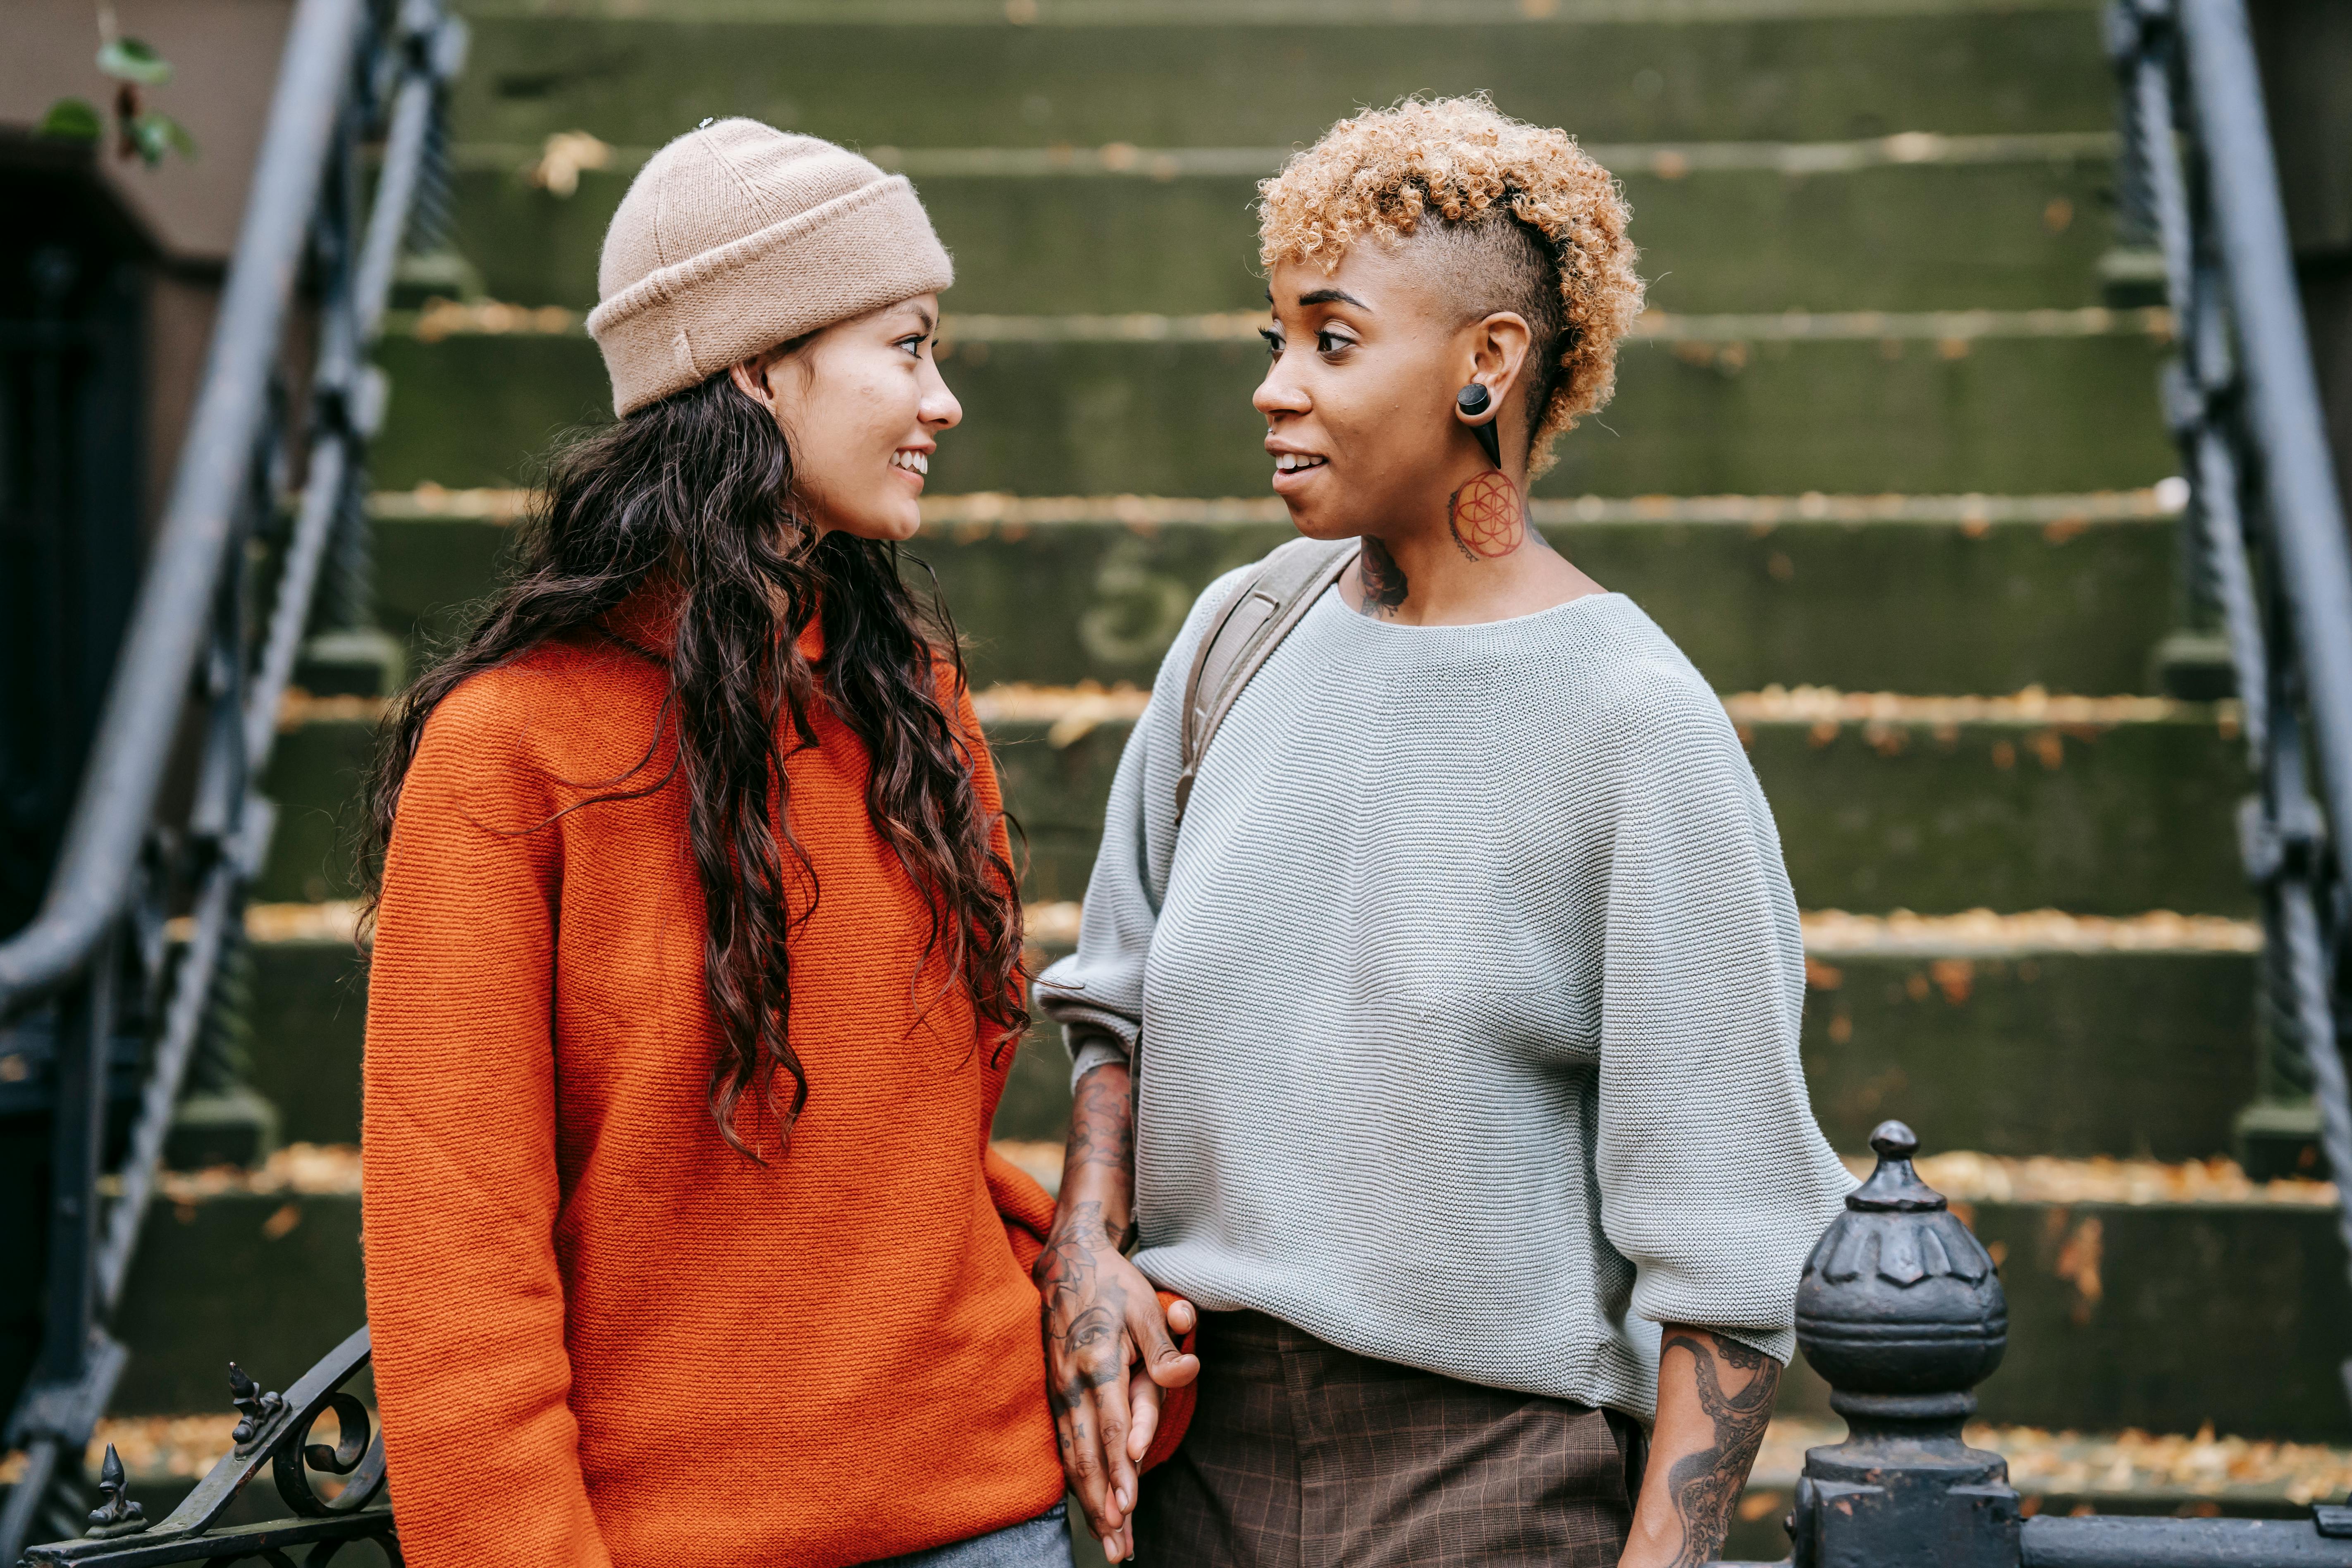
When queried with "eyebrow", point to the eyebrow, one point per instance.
{"points": [[1331, 296]]}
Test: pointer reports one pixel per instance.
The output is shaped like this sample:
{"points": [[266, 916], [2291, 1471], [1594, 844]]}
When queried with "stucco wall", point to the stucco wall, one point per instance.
{"points": [[225, 57]]}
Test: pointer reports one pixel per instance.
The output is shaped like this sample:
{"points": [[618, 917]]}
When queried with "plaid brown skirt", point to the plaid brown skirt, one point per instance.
{"points": [[1301, 1455]]}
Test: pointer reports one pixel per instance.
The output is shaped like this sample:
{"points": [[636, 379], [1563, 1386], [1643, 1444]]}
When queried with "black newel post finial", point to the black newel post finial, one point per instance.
{"points": [[116, 1514], [1901, 1310], [253, 1407]]}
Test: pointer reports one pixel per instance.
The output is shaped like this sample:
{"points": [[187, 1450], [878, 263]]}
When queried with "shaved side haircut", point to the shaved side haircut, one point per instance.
{"points": [[1518, 218]]}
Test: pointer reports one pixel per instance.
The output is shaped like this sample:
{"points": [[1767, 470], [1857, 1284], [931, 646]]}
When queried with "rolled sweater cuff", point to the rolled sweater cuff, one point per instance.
{"points": [[1089, 1052]]}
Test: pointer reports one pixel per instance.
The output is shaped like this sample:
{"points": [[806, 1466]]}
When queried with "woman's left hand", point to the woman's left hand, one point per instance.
{"points": [[1101, 1318]]}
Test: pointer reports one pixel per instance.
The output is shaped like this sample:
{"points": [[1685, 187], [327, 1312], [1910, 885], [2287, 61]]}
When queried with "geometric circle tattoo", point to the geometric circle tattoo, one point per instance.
{"points": [[1485, 516]]}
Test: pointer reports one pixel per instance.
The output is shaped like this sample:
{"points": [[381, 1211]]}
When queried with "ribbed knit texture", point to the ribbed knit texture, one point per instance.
{"points": [[738, 237], [1468, 1002], [600, 1335]]}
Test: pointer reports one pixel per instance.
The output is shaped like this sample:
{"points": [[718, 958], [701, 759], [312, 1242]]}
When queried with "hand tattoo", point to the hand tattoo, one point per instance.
{"points": [[1705, 1484], [1082, 1308], [1384, 580], [1485, 518]]}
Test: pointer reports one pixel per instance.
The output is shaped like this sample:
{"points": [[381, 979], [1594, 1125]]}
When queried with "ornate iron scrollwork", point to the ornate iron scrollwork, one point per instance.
{"points": [[358, 1453], [277, 1432]]}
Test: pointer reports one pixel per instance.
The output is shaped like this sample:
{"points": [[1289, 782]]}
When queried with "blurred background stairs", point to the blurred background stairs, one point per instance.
{"points": [[1886, 458]]}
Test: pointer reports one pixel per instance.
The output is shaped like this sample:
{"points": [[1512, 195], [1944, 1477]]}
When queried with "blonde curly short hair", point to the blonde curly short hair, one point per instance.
{"points": [[1475, 169]]}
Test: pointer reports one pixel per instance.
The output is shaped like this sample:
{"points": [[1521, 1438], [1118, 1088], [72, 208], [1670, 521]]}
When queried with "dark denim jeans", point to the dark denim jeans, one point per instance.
{"points": [[1040, 1543]]}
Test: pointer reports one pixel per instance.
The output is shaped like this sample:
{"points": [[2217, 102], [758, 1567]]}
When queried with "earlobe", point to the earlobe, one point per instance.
{"points": [[1475, 406]]}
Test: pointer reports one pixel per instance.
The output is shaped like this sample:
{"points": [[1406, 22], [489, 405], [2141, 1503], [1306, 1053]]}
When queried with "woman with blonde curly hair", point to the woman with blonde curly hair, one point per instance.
{"points": [[1434, 1011]]}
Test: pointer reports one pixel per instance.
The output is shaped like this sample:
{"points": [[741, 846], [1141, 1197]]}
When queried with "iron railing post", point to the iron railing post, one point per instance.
{"points": [[77, 1364], [1902, 1310], [2282, 392], [2264, 478], [190, 637], [2269, 549], [168, 623]]}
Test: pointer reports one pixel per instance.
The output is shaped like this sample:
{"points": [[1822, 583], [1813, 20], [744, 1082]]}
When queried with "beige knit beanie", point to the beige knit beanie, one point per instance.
{"points": [[738, 237]]}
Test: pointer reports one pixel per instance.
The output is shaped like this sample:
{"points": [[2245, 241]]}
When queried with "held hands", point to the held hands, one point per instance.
{"points": [[1102, 1318]]}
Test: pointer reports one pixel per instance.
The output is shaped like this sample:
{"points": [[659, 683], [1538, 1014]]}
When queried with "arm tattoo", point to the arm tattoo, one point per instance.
{"points": [[1384, 580], [1102, 1124], [1485, 518], [1705, 1484]]}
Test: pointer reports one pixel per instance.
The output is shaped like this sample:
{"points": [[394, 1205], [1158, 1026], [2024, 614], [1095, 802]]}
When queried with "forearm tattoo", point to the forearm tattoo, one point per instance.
{"points": [[1384, 580], [1102, 1123], [1703, 1486], [1485, 518]]}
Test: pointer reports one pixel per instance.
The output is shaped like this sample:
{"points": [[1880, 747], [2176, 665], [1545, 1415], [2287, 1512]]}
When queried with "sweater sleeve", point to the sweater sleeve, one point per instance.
{"points": [[1715, 1179], [461, 1192], [1096, 993]]}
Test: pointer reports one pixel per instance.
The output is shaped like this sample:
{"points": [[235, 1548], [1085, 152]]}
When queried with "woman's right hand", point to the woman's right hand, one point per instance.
{"points": [[1101, 1317]]}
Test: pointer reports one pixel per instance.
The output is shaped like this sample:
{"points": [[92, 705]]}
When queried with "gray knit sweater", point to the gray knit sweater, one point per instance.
{"points": [[1467, 1001]]}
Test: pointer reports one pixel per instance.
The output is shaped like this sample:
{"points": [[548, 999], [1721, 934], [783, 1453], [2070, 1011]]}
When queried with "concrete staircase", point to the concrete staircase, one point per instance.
{"points": [[1887, 460]]}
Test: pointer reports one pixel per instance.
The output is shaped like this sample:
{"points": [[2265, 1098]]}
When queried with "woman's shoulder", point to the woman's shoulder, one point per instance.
{"points": [[1176, 667], [565, 708], [1176, 664], [1213, 598], [1628, 697], [1617, 664]]}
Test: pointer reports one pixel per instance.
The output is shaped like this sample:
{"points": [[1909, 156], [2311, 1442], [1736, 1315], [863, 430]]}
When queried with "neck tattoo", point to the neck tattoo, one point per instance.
{"points": [[1485, 518], [1384, 580]]}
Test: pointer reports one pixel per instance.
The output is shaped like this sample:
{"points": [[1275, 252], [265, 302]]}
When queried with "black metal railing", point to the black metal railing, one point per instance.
{"points": [[275, 1430], [2268, 550], [92, 967], [1901, 1310]]}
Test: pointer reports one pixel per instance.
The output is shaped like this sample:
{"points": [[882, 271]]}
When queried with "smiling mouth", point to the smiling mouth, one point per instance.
{"points": [[1292, 462], [914, 462]]}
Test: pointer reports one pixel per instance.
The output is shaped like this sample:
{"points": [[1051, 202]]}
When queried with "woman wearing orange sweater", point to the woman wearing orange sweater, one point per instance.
{"points": [[696, 954]]}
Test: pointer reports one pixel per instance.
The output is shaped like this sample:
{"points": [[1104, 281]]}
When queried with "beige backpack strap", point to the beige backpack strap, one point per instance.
{"points": [[1247, 627]]}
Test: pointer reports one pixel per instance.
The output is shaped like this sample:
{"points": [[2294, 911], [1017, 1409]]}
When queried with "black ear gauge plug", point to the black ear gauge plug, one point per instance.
{"points": [[1471, 402]]}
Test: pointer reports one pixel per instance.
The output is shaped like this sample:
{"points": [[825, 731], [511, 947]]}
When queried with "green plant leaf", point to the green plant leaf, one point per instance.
{"points": [[72, 119], [134, 59], [156, 135]]}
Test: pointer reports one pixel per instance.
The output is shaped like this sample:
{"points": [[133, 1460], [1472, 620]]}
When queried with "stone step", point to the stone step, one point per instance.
{"points": [[1269, 75], [1863, 402], [260, 1266], [2191, 1475], [1906, 222], [2016, 1034], [2072, 593], [2095, 806], [2156, 1298]]}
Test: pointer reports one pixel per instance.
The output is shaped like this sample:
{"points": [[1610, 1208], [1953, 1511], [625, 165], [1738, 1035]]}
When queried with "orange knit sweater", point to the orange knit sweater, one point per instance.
{"points": [[600, 1334]]}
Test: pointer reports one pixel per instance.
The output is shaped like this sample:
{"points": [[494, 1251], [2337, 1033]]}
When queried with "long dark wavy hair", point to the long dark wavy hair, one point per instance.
{"points": [[694, 495]]}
